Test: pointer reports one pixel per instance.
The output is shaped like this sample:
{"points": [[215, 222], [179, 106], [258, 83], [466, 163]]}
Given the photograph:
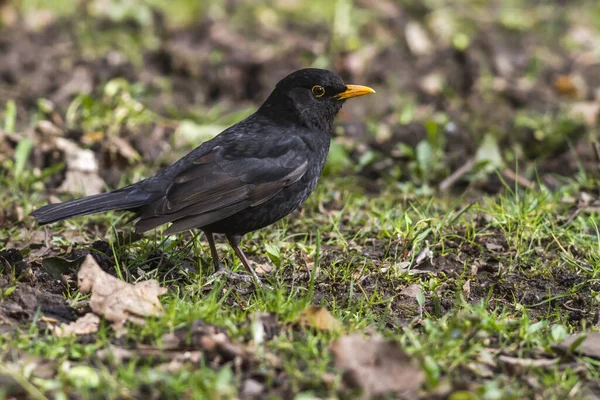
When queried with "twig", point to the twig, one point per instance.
{"points": [[456, 175], [519, 179], [529, 362]]}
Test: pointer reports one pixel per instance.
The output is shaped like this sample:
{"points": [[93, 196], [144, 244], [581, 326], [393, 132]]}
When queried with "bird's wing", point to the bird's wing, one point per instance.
{"points": [[229, 178]]}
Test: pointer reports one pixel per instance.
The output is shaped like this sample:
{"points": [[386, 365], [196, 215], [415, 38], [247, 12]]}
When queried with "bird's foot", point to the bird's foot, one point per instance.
{"points": [[231, 275], [240, 278]]}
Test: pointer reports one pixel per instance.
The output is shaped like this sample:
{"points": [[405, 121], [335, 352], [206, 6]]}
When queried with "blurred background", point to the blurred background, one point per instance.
{"points": [[471, 94]]}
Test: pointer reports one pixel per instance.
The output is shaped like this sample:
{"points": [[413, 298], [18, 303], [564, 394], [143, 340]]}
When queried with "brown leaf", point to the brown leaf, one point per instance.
{"points": [[83, 326], [118, 355], [216, 345], [493, 246], [179, 361], [569, 85], [377, 367], [118, 301], [82, 169], [82, 182], [467, 288], [411, 291], [417, 39], [319, 318], [589, 345], [588, 111], [190, 344], [262, 269], [251, 388], [118, 145]]}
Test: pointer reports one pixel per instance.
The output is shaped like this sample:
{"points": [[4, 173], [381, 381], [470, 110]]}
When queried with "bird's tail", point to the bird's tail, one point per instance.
{"points": [[122, 199]]}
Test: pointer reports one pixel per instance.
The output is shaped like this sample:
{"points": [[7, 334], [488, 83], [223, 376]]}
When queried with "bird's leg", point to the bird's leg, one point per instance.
{"points": [[218, 267], [234, 242], [213, 252]]}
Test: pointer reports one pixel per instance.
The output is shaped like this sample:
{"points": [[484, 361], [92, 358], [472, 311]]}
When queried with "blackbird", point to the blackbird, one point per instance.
{"points": [[247, 177]]}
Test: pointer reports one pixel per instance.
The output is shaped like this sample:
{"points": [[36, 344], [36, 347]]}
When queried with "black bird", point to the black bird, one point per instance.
{"points": [[247, 177]]}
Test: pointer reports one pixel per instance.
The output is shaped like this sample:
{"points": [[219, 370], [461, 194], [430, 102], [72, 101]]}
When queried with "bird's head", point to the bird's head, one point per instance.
{"points": [[311, 97]]}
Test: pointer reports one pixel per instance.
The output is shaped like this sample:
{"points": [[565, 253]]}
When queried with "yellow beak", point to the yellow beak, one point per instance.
{"points": [[354, 91]]}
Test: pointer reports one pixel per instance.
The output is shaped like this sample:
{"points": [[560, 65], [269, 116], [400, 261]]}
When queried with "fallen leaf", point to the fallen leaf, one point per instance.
{"points": [[118, 355], [118, 301], [425, 254], [588, 111], [492, 246], [47, 129], [319, 318], [587, 344], [82, 169], [467, 288], [118, 145], [377, 367], [411, 291], [215, 344], [262, 269], [193, 343], [251, 388], [417, 39], [476, 266], [180, 360], [82, 326], [570, 85], [432, 84]]}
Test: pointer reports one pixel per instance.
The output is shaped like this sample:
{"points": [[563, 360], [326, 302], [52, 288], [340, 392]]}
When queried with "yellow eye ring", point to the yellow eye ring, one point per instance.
{"points": [[318, 91]]}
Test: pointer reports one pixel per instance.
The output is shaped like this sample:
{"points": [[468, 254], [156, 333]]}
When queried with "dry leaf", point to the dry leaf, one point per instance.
{"points": [[251, 388], [493, 246], [377, 367], [432, 84], [83, 326], [190, 344], [262, 269], [411, 291], [179, 360], [417, 39], [82, 169], [590, 346], [467, 288], [82, 182], [570, 86], [319, 318], [216, 347], [118, 301], [120, 146], [588, 111]]}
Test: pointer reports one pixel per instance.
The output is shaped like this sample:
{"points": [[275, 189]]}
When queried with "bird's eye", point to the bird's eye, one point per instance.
{"points": [[318, 91]]}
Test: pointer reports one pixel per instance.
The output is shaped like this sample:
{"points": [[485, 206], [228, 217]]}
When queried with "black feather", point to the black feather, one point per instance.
{"points": [[122, 199]]}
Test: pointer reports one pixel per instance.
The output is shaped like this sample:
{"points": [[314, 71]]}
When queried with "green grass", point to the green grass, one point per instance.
{"points": [[452, 334]]}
